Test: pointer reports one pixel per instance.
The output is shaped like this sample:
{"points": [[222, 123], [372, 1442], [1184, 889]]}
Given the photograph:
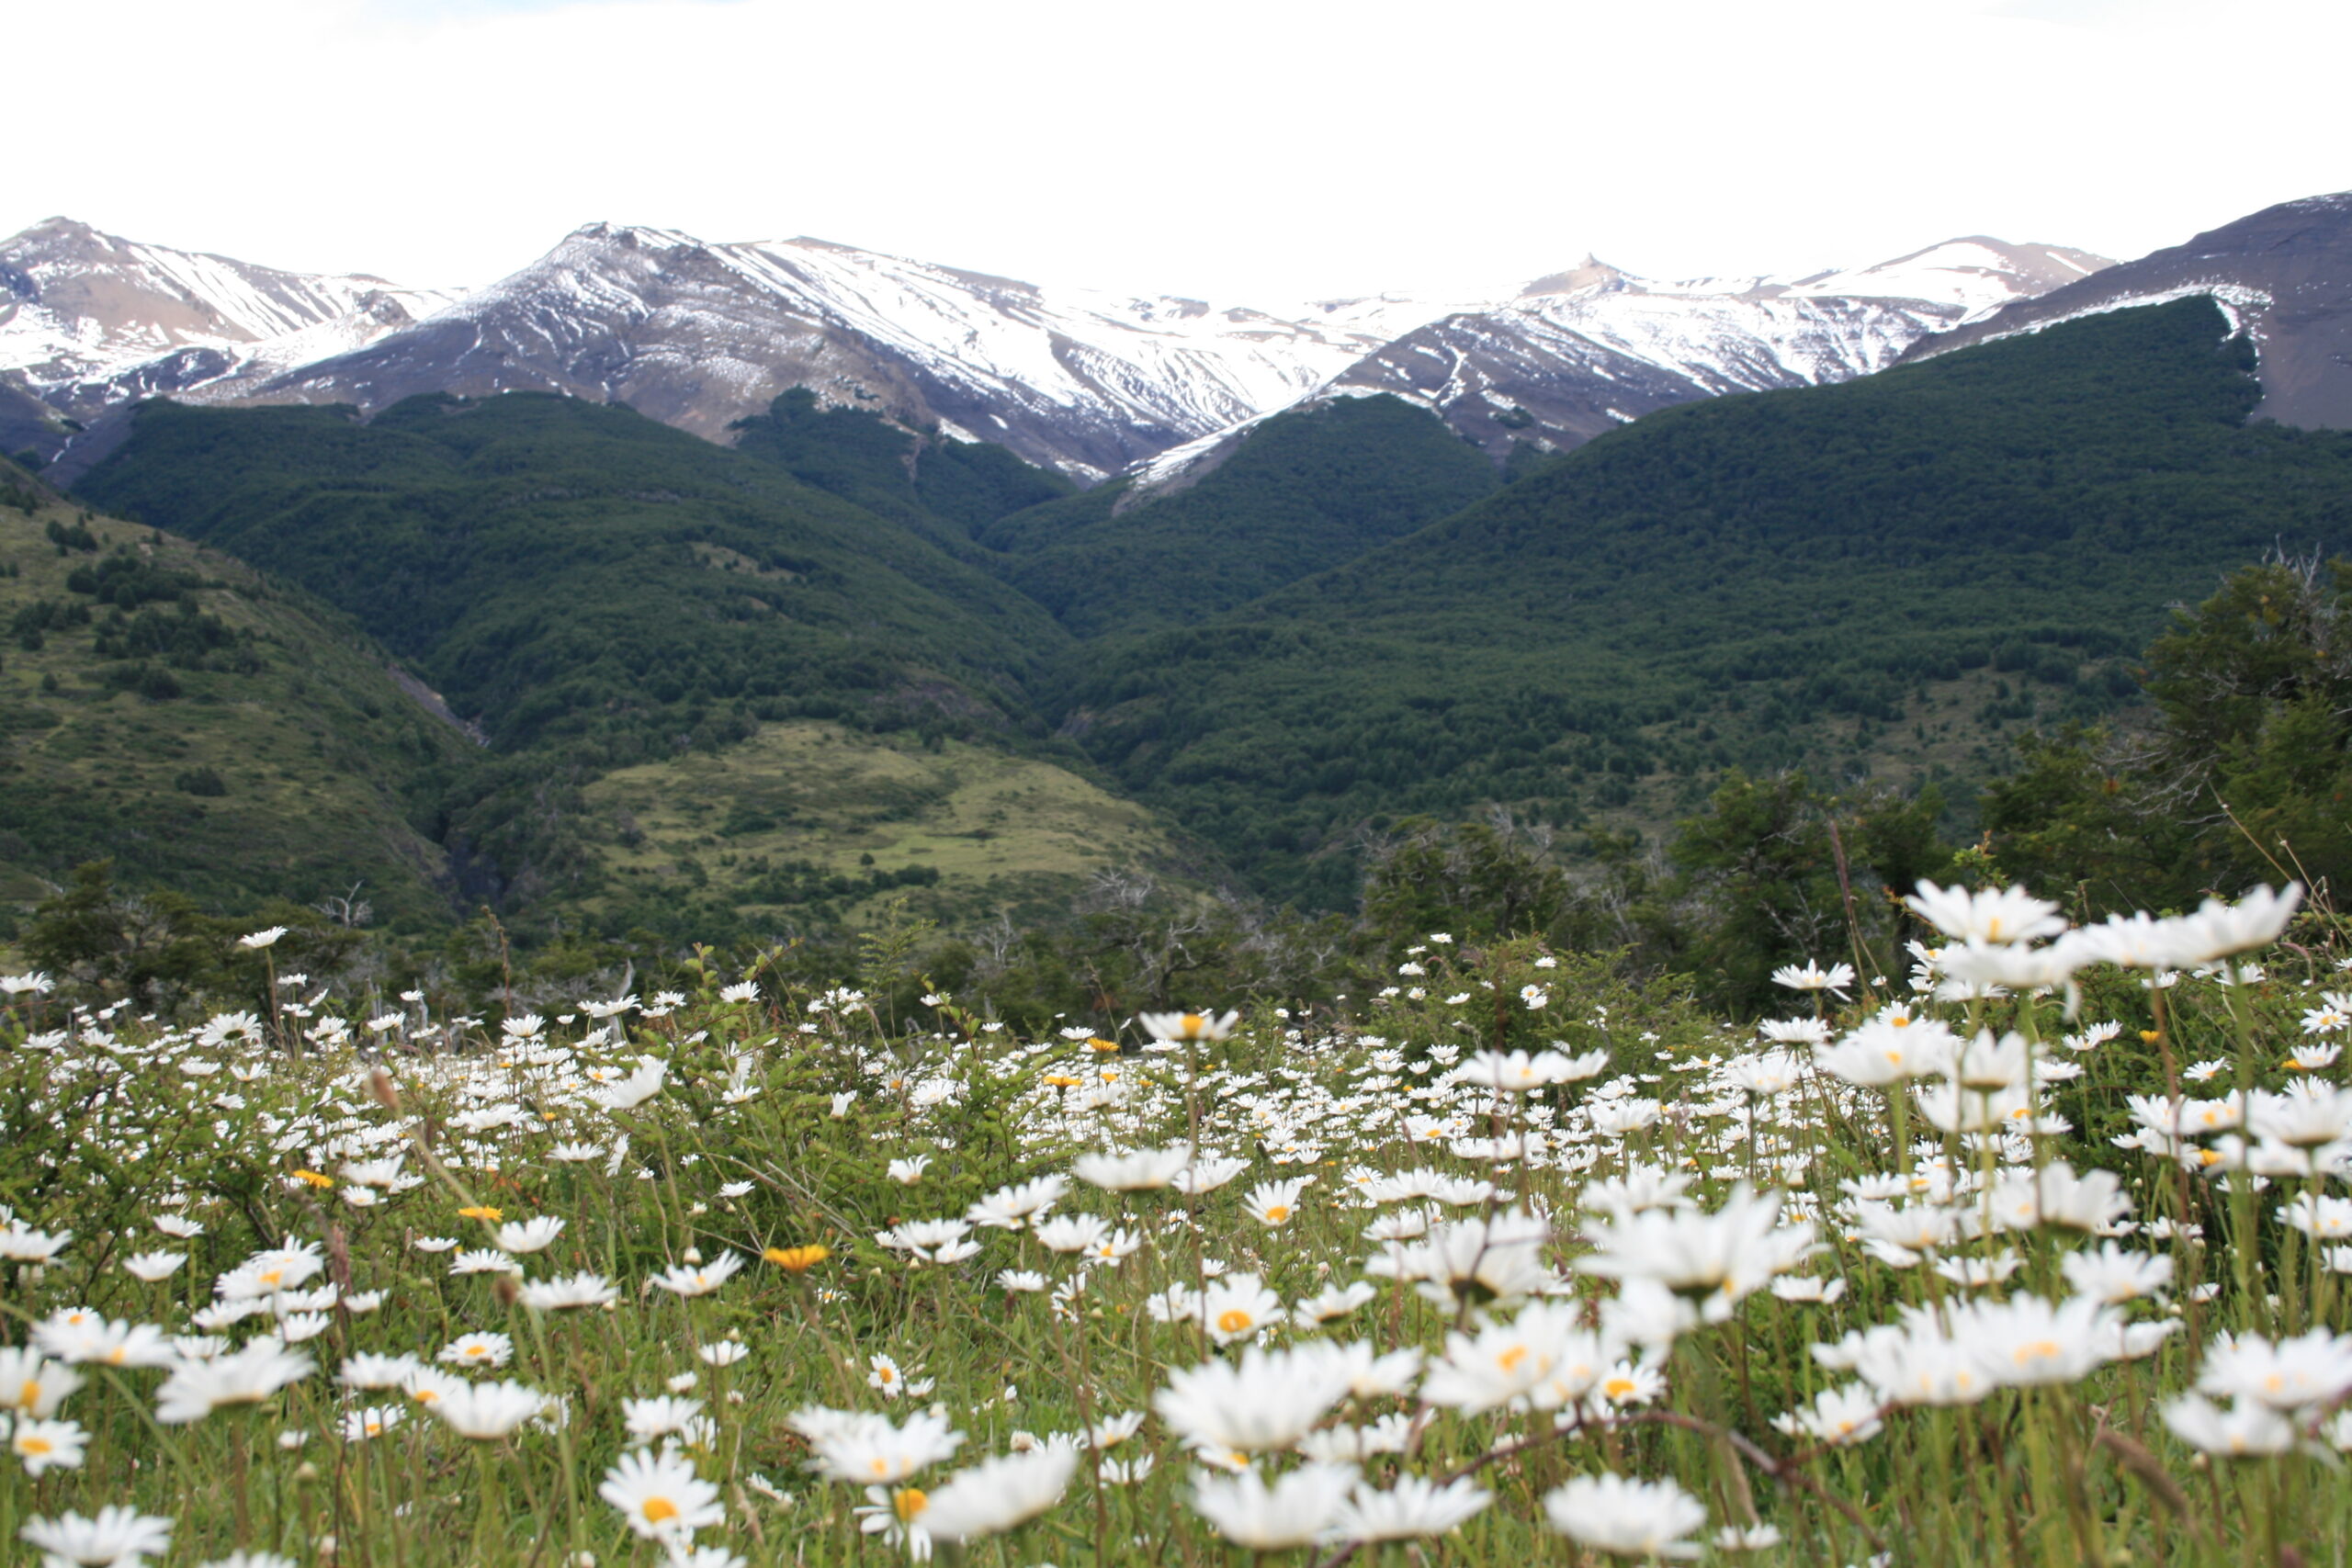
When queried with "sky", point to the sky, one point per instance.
{"points": [[1266, 151]]}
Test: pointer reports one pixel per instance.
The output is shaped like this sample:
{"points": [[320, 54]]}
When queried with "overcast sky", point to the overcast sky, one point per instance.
{"points": [[1266, 151]]}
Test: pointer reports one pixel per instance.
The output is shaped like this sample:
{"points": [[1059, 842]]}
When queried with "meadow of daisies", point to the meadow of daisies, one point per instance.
{"points": [[2028, 1251]]}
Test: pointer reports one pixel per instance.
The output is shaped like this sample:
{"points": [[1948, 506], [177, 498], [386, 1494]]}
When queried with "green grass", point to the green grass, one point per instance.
{"points": [[973, 831], [778, 1117]]}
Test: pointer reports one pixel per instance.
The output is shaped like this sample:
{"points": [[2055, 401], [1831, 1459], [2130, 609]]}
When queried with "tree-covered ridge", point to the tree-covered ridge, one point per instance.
{"points": [[1881, 574], [565, 571], [1301, 492], [946, 489]]}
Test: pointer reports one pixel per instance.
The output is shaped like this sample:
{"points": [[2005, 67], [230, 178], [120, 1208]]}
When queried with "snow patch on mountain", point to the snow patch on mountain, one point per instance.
{"points": [[1092, 382], [87, 318], [2242, 307], [1582, 351], [703, 334]]}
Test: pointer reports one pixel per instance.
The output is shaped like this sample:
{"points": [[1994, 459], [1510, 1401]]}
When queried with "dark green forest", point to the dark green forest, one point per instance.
{"points": [[558, 568], [1305, 491], [593, 589], [948, 490]]}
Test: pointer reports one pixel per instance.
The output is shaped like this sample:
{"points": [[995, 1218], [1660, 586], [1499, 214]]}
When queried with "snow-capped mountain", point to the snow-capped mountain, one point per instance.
{"points": [[1088, 382], [88, 319], [2283, 275], [701, 335], [1580, 352]]}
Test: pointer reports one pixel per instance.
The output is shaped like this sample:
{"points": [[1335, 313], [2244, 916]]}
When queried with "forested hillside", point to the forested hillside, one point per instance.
{"points": [[1300, 492], [597, 592], [946, 489], [563, 569], [1885, 577], [167, 708]]}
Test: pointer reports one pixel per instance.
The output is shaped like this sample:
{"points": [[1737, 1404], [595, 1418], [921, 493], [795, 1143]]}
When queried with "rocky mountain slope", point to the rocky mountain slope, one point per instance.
{"points": [[1082, 382], [700, 335], [1586, 350], [88, 319], [2283, 274]]}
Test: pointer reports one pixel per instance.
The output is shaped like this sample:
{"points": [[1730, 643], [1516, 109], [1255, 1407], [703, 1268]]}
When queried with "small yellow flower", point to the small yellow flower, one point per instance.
{"points": [[1060, 1080], [2149, 1036], [484, 1213], [798, 1259], [312, 1178], [1101, 1044]]}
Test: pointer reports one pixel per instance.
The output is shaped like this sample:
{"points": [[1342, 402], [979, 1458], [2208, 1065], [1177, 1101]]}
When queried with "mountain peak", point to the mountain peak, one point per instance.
{"points": [[95, 318], [1590, 272], [58, 239]]}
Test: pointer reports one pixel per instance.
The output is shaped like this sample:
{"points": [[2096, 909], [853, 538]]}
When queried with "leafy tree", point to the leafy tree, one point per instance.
{"points": [[1482, 880], [156, 946], [1757, 864], [2244, 775]]}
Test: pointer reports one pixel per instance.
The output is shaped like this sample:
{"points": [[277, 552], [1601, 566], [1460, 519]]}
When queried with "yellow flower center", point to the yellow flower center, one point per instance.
{"points": [[1618, 1388], [1509, 1360], [2040, 1351], [658, 1509], [30, 1445], [1233, 1320], [907, 1502], [29, 1395], [1278, 1213]]}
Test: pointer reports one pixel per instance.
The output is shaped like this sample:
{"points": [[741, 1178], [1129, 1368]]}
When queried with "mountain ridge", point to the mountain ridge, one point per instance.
{"points": [[1086, 383], [2284, 275], [87, 318]]}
